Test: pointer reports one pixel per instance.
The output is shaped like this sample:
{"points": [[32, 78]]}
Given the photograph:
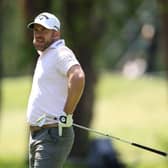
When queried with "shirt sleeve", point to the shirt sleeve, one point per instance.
{"points": [[66, 59]]}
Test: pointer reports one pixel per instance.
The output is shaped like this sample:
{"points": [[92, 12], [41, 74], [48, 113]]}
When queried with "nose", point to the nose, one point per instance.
{"points": [[37, 33]]}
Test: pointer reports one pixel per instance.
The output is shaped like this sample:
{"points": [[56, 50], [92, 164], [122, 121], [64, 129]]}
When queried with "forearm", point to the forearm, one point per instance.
{"points": [[76, 82]]}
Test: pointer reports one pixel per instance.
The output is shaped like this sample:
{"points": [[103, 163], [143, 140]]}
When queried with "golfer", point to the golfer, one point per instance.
{"points": [[58, 83]]}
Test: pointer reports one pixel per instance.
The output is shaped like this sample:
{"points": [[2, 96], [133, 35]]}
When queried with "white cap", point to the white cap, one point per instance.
{"points": [[47, 20]]}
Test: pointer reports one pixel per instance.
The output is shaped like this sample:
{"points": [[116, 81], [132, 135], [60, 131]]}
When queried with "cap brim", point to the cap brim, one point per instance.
{"points": [[30, 25]]}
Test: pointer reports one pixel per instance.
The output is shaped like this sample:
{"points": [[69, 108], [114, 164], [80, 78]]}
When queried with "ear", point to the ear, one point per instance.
{"points": [[56, 34]]}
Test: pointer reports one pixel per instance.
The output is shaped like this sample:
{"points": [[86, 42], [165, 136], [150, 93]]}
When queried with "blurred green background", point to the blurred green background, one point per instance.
{"points": [[122, 46]]}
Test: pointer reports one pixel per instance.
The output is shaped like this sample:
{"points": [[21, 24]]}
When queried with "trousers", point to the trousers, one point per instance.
{"points": [[49, 150]]}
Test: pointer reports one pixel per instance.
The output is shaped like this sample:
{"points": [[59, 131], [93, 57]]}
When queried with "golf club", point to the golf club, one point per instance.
{"points": [[122, 140]]}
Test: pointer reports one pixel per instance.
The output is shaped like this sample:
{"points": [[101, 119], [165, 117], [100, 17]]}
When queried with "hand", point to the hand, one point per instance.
{"points": [[64, 121]]}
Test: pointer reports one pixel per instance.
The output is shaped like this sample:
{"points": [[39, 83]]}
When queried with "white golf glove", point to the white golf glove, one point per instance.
{"points": [[64, 121]]}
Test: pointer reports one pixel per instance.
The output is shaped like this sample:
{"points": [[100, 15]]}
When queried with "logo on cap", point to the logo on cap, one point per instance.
{"points": [[43, 16]]}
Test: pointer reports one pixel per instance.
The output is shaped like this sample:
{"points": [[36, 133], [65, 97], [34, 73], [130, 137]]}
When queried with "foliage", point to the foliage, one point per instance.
{"points": [[12, 48], [123, 23], [119, 21]]}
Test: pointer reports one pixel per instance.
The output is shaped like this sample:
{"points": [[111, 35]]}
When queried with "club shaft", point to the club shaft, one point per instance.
{"points": [[150, 149], [122, 140]]}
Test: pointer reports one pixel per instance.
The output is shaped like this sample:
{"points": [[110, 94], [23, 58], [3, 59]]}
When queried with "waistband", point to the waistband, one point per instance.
{"points": [[37, 128]]}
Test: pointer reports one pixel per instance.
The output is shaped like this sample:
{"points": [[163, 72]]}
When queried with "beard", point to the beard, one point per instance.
{"points": [[41, 44]]}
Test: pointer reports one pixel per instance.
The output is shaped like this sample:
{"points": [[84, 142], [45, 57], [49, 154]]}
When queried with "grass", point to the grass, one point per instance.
{"points": [[135, 110]]}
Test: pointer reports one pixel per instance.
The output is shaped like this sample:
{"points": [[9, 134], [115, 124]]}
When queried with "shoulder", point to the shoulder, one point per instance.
{"points": [[65, 53], [64, 50], [66, 59]]}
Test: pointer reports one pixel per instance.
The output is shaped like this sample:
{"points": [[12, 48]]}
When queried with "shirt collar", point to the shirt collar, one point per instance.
{"points": [[54, 45], [57, 43]]}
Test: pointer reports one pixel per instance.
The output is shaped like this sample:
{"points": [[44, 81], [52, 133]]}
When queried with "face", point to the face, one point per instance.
{"points": [[43, 37]]}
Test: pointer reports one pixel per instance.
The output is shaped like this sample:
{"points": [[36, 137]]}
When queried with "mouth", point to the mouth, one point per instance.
{"points": [[39, 40], [39, 43]]}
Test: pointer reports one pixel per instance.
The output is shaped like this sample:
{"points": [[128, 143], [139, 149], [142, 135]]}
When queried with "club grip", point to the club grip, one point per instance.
{"points": [[150, 149]]}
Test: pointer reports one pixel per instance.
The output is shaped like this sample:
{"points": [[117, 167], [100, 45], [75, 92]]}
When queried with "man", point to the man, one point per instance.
{"points": [[58, 84]]}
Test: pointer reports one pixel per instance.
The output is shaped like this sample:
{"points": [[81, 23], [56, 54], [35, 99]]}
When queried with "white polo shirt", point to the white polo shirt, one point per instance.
{"points": [[49, 88]]}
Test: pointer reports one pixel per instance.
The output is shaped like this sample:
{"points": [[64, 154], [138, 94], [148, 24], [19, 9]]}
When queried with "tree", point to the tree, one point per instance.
{"points": [[83, 29], [1, 61], [163, 9]]}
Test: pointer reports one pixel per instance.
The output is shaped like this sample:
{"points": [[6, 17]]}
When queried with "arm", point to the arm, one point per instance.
{"points": [[76, 82]]}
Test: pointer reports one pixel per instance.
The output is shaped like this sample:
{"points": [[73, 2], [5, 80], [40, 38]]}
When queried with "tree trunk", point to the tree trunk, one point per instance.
{"points": [[83, 31], [1, 60], [163, 9]]}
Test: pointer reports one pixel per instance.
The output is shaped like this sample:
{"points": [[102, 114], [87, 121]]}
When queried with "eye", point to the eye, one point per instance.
{"points": [[37, 30]]}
